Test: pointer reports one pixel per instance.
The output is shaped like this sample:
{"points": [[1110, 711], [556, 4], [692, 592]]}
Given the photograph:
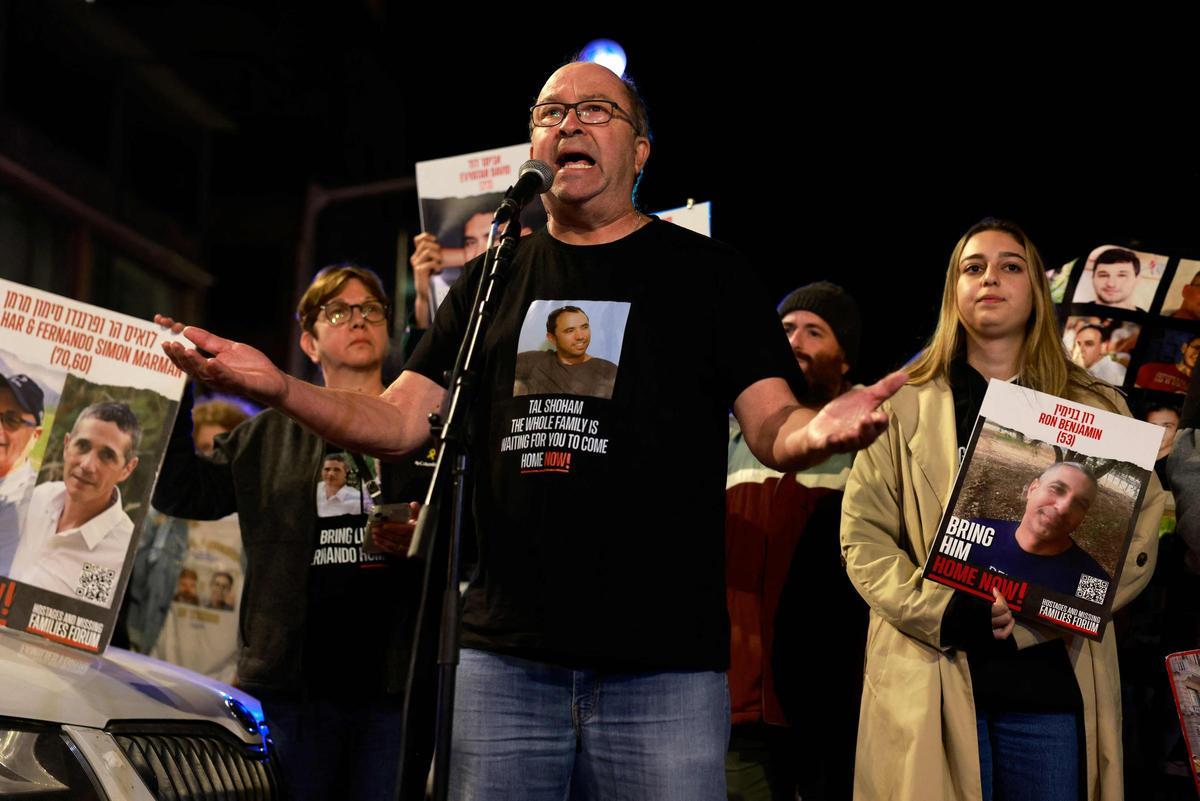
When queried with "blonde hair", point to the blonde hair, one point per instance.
{"points": [[217, 412], [1043, 363]]}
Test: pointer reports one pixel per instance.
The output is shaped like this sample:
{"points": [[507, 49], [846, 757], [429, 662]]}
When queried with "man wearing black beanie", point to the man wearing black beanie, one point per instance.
{"points": [[779, 683]]}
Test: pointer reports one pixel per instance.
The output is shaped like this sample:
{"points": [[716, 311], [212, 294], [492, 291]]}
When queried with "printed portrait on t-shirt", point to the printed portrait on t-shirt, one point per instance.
{"points": [[570, 347], [340, 490], [200, 632]]}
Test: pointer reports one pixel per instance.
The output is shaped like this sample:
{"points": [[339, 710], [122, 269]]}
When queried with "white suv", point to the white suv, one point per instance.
{"points": [[124, 727]]}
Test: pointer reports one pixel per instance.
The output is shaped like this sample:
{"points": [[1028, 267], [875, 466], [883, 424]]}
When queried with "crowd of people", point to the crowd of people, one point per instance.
{"points": [[765, 636]]}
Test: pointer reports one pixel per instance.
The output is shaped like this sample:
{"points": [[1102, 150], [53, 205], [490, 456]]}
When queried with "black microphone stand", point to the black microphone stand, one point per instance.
{"points": [[450, 428]]}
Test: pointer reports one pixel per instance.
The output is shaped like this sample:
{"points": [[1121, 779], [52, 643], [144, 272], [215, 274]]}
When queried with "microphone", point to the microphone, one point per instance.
{"points": [[533, 178]]}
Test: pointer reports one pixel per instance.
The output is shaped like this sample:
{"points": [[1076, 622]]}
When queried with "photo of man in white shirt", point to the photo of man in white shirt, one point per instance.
{"points": [[77, 533]]}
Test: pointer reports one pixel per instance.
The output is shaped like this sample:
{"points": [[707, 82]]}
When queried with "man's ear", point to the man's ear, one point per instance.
{"points": [[1030, 487], [641, 153], [130, 466]]}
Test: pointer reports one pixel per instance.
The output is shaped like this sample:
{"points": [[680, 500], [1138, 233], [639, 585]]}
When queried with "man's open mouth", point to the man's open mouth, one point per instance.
{"points": [[575, 161]]}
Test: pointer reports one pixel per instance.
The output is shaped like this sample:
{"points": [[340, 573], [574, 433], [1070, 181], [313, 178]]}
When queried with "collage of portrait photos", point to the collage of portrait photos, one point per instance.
{"points": [[1132, 318]]}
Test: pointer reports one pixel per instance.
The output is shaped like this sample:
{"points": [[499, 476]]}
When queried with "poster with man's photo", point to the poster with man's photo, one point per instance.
{"points": [[200, 631], [87, 401], [458, 196], [1044, 507], [1183, 669]]}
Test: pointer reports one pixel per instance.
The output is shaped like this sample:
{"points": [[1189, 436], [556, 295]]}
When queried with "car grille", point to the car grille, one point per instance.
{"points": [[197, 761]]}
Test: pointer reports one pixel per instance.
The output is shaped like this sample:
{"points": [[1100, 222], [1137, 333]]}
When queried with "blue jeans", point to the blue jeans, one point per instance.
{"points": [[1029, 756], [528, 731]]}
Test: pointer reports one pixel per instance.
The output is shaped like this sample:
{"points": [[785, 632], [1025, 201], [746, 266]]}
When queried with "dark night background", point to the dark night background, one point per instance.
{"points": [[167, 155], [828, 152]]}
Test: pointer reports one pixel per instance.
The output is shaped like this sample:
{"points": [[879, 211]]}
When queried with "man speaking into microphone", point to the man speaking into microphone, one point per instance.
{"points": [[595, 636]]}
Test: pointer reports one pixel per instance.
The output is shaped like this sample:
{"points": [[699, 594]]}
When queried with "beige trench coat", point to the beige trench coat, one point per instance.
{"points": [[916, 736]]}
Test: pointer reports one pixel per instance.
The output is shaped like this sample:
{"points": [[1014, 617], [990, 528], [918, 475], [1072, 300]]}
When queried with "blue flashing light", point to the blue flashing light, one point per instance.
{"points": [[606, 53]]}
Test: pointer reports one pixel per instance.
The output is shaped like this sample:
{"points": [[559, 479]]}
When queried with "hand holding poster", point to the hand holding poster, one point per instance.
{"points": [[1184, 670], [86, 404], [458, 196], [1044, 506]]}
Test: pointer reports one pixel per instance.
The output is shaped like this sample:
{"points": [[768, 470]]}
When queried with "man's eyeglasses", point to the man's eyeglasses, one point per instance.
{"points": [[13, 421], [589, 112], [337, 312]]}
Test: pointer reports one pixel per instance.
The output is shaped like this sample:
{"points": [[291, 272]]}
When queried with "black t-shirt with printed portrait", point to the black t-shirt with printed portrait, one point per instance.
{"points": [[600, 519], [360, 605]]}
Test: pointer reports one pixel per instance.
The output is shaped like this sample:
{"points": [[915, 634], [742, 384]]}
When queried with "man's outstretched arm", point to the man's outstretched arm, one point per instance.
{"points": [[785, 435], [387, 426]]}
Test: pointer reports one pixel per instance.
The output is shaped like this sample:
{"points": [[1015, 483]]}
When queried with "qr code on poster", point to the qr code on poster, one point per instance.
{"points": [[96, 583], [1092, 589]]}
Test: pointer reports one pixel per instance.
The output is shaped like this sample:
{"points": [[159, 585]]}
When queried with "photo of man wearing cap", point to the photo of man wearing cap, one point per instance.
{"points": [[21, 410]]}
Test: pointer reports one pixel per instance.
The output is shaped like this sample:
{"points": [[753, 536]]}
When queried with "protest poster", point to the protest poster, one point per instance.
{"points": [[200, 631], [87, 400], [458, 195], [1184, 671], [1044, 507], [694, 217]]}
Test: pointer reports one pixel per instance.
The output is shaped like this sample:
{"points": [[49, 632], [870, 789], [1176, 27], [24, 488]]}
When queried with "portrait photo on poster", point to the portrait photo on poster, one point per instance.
{"points": [[29, 397], [457, 197], [1120, 278], [1044, 506], [570, 347], [1101, 345], [1182, 301], [92, 489], [1044, 515], [1169, 360]]}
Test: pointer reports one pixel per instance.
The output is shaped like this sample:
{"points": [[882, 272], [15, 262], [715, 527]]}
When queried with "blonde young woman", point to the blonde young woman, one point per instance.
{"points": [[961, 701]]}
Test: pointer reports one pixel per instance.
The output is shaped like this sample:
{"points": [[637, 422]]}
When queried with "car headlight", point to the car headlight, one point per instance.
{"points": [[39, 760]]}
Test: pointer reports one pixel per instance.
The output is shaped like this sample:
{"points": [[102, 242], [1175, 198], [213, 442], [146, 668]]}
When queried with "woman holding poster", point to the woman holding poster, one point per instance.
{"points": [[961, 701]]}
